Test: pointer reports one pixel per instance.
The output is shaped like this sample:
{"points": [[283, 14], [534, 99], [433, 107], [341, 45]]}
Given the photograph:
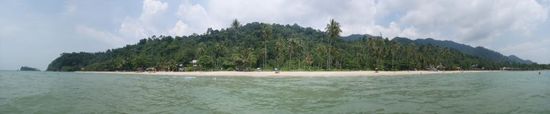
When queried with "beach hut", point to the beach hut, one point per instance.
{"points": [[140, 69], [440, 67], [180, 67], [195, 64], [431, 68], [151, 69]]}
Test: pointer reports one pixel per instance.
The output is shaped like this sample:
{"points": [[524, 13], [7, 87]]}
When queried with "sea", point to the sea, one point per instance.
{"points": [[523, 92]]}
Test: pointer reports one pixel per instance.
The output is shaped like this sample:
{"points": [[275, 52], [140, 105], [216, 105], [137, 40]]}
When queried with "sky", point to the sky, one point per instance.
{"points": [[35, 32]]}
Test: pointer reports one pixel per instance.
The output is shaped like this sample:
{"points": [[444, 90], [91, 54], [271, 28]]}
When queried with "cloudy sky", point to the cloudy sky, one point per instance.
{"points": [[34, 32]]}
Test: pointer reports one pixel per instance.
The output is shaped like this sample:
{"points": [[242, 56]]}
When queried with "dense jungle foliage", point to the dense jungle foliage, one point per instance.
{"points": [[286, 47]]}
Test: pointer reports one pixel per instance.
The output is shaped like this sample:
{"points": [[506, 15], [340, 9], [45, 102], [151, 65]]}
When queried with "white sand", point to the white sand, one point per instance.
{"points": [[291, 73]]}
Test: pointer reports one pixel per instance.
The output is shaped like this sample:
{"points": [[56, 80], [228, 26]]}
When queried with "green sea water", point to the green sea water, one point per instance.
{"points": [[469, 93]]}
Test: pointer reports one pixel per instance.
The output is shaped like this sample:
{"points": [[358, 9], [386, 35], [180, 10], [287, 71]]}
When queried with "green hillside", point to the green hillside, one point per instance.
{"points": [[267, 46]]}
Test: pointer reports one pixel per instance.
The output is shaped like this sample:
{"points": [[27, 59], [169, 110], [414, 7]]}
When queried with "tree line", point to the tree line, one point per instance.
{"points": [[268, 46]]}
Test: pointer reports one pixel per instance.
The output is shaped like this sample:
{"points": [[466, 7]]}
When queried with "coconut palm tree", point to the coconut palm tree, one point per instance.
{"points": [[266, 33], [333, 31], [235, 24]]}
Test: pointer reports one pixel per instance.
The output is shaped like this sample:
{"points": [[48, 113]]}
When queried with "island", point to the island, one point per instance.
{"points": [[26, 68], [274, 47]]}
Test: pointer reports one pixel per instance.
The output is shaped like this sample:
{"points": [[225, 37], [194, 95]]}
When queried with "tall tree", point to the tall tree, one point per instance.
{"points": [[266, 33], [235, 24], [333, 31]]}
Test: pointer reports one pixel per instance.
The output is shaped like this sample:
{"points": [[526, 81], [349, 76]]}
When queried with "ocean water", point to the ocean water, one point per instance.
{"points": [[62, 92]]}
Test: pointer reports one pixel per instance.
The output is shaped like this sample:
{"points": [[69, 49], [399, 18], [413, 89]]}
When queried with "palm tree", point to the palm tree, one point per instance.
{"points": [[292, 45], [235, 33], [266, 32], [219, 52], [236, 24], [333, 30]]}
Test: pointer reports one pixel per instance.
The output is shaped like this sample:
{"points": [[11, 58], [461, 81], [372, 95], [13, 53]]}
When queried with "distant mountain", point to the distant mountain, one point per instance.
{"points": [[517, 59], [355, 37], [474, 51]]}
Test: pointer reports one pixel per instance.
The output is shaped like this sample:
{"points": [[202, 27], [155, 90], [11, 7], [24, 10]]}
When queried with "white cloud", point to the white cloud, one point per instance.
{"points": [[395, 30], [474, 20], [132, 28], [146, 24], [197, 18], [106, 37], [535, 50], [151, 8], [354, 15], [180, 29]]}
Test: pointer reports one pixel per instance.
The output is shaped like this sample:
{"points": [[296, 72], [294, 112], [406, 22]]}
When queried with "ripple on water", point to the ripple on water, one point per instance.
{"points": [[497, 92]]}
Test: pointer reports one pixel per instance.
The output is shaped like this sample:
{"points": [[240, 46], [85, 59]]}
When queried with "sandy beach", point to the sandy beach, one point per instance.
{"points": [[291, 73]]}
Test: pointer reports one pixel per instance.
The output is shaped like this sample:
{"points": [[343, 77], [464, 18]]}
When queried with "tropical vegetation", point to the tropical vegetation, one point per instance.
{"points": [[287, 47]]}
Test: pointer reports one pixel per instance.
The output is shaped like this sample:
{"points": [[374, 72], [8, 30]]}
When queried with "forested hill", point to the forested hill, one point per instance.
{"points": [[477, 51], [268, 46]]}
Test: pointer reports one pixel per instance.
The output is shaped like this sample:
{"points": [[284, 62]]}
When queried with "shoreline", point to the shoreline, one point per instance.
{"points": [[287, 73]]}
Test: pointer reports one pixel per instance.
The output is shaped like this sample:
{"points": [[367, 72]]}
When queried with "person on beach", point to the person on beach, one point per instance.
{"points": [[276, 71]]}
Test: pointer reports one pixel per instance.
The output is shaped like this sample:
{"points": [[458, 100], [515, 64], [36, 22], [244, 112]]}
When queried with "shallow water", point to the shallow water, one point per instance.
{"points": [[488, 92]]}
